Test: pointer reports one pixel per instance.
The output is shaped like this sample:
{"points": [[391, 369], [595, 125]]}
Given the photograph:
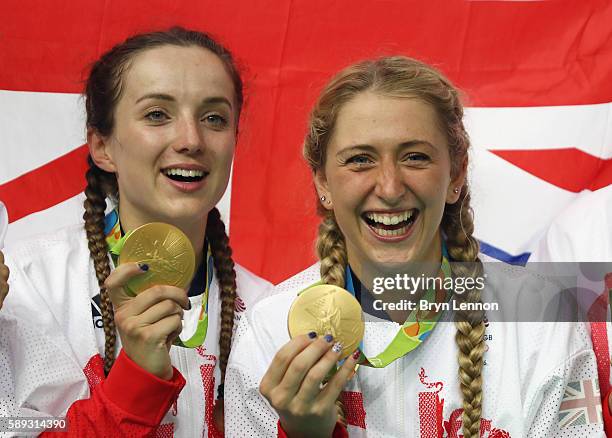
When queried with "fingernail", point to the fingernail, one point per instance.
{"points": [[356, 354], [328, 338], [337, 348], [143, 267], [312, 335]]}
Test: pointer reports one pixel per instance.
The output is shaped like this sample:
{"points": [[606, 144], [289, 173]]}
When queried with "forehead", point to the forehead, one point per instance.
{"points": [[372, 118], [179, 71]]}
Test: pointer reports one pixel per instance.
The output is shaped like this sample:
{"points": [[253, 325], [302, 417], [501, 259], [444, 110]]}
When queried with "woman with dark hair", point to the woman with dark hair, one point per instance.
{"points": [[162, 120], [388, 152]]}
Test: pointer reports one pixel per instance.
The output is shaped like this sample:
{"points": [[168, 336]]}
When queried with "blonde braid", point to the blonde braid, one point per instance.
{"points": [[99, 184], [462, 247], [331, 250]]}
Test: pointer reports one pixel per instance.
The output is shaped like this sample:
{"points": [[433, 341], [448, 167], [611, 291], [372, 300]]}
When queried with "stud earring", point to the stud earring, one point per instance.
{"points": [[322, 198], [456, 190]]}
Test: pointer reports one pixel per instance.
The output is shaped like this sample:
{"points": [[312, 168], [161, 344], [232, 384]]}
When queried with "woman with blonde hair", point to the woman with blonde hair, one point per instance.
{"points": [[389, 154]]}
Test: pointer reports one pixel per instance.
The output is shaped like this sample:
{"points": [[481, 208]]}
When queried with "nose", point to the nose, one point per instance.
{"points": [[189, 138], [389, 185]]}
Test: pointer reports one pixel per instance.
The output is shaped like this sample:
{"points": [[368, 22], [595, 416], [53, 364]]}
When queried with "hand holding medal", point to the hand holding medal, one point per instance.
{"points": [[326, 325], [149, 322], [327, 309]]}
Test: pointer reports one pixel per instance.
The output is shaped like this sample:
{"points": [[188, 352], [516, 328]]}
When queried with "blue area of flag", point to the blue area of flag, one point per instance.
{"points": [[500, 254]]}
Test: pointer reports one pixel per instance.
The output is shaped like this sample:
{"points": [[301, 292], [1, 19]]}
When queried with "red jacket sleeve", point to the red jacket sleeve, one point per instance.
{"points": [[339, 431], [607, 415], [130, 402]]}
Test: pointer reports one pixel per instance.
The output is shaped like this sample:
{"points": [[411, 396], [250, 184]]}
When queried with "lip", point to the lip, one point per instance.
{"points": [[391, 239], [186, 166], [186, 187], [394, 211]]}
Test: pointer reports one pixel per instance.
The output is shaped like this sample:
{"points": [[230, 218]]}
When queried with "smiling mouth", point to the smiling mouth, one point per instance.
{"points": [[391, 224], [185, 175]]}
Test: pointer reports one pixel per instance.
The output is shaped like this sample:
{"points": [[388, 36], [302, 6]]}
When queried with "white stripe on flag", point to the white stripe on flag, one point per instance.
{"points": [[37, 128], [584, 127], [512, 208]]}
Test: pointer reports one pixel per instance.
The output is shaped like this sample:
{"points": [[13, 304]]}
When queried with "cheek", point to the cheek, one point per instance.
{"points": [[223, 148]]}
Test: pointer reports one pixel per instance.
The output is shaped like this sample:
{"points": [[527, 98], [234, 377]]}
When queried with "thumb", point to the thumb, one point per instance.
{"points": [[116, 281]]}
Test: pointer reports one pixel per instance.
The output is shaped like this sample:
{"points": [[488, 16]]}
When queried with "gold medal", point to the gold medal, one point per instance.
{"points": [[166, 250], [327, 309]]}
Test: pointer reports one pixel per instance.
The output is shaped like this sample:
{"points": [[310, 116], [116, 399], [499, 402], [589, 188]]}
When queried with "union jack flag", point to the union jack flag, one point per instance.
{"points": [[580, 404], [536, 78]]}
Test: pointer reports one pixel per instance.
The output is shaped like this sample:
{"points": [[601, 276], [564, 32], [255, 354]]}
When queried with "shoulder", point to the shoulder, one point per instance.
{"points": [[533, 318], [48, 247], [250, 287], [281, 296], [247, 278], [263, 328], [47, 268], [300, 280]]}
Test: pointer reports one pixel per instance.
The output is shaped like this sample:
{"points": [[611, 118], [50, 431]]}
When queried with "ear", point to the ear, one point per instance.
{"points": [[454, 188], [320, 181], [100, 151]]}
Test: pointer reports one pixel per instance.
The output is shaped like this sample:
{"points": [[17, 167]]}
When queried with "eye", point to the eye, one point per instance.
{"points": [[156, 116], [416, 158], [215, 121], [360, 160]]}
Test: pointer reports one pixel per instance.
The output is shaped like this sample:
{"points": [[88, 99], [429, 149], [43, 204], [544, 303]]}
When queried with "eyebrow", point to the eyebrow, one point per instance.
{"points": [[370, 148], [169, 98]]}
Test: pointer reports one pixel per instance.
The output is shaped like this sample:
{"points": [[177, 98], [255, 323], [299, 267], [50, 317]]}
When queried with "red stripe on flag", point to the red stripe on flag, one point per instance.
{"points": [[47, 185], [500, 53], [569, 168]]}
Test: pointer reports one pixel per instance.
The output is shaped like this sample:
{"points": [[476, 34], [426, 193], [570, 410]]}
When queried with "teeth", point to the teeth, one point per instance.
{"points": [[390, 219], [184, 172], [390, 233]]}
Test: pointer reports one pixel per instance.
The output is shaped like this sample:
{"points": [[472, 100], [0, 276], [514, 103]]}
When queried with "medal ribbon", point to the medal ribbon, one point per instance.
{"points": [[115, 241], [414, 331]]}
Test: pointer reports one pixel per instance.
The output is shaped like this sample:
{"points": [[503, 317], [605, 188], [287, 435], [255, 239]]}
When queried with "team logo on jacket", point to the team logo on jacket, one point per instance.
{"points": [[431, 415], [239, 305], [96, 312], [580, 404]]}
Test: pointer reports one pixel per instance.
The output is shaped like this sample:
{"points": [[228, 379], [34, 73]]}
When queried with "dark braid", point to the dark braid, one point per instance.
{"points": [[103, 90], [226, 276], [100, 184]]}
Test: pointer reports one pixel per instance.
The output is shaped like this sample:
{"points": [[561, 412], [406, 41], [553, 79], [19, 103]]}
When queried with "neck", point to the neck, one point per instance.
{"points": [[194, 230], [370, 274]]}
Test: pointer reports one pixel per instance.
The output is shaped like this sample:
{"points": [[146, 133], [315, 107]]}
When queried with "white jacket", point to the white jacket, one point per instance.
{"points": [[536, 376], [51, 346], [3, 223]]}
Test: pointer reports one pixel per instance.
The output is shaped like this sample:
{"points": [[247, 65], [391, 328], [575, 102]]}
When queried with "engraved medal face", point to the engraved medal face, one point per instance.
{"points": [[166, 250], [327, 309]]}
